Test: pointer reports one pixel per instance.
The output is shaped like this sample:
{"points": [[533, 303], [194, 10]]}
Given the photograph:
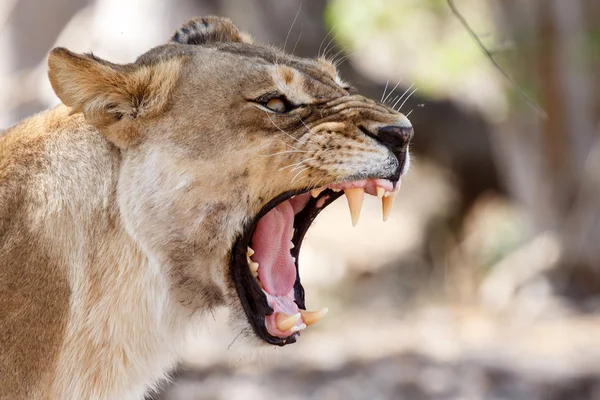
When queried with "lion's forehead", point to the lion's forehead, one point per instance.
{"points": [[303, 78]]}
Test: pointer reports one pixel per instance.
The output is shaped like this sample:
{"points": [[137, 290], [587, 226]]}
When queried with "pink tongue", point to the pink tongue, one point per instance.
{"points": [[271, 244]]}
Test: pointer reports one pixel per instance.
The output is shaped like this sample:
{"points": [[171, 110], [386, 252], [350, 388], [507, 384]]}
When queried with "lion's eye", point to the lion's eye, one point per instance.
{"points": [[276, 105]]}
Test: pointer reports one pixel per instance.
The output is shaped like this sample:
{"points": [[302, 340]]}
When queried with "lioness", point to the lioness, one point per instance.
{"points": [[165, 188]]}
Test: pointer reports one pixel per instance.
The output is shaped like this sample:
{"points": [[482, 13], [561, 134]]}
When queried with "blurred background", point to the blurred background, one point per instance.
{"points": [[485, 283]]}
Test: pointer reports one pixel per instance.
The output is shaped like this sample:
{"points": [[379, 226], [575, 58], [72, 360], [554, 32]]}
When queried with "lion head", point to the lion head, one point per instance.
{"points": [[229, 150]]}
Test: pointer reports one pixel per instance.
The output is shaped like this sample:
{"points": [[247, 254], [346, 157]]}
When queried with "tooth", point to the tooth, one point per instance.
{"points": [[312, 317], [292, 245], [298, 328], [386, 204], [336, 189], [286, 322], [294, 260], [316, 192], [293, 233], [253, 266], [250, 252], [355, 198], [380, 191]]}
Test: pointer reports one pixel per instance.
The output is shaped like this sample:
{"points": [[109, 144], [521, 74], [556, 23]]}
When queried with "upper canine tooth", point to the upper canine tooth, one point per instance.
{"points": [[316, 191], [250, 252], [285, 322], [355, 198], [312, 317], [386, 204], [380, 191]]}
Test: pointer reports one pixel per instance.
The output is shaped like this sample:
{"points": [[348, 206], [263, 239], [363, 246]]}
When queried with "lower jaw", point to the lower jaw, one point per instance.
{"points": [[254, 300]]}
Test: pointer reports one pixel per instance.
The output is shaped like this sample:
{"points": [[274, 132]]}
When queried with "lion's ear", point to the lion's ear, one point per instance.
{"points": [[199, 31], [112, 97]]}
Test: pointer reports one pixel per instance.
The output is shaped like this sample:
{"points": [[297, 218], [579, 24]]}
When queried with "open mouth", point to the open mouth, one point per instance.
{"points": [[264, 264]]}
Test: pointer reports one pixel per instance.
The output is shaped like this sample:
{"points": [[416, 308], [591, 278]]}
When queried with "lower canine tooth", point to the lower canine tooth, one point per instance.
{"points": [[286, 322], [250, 252], [312, 317], [355, 198], [298, 328], [386, 205], [253, 266], [292, 245]]}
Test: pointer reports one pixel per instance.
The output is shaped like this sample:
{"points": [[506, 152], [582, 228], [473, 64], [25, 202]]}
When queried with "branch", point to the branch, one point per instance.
{"points": [[466, 25]]}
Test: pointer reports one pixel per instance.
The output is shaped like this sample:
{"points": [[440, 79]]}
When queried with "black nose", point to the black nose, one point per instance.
{"points": [[395, 137]]}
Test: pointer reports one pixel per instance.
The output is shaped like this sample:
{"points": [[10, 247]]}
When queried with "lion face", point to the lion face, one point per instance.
{"points": [[229, 152]]}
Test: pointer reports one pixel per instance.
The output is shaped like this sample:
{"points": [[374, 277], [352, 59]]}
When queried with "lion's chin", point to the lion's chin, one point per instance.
{"points": [[264, 261]]}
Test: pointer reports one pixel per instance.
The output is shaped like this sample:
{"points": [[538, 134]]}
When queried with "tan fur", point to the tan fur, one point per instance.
{"points": [[119, 208]]}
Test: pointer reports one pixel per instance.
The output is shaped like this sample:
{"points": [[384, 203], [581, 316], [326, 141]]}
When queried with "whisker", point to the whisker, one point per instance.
{"points": [[333, 48], [384, 89], [300, 164], [236, 338], [310, 184], [283, 152], [297, 40], [290, 145], [306, 126], [323, 41], [292, 27], [282, 131], [296, 164], [299, 172], [339, 62], [406, 91], [407, 97], [335, 55], [394, 99], [410, 112], [291, 165], [386, 97], [318, 184], [311, 131], [325, 51]]}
